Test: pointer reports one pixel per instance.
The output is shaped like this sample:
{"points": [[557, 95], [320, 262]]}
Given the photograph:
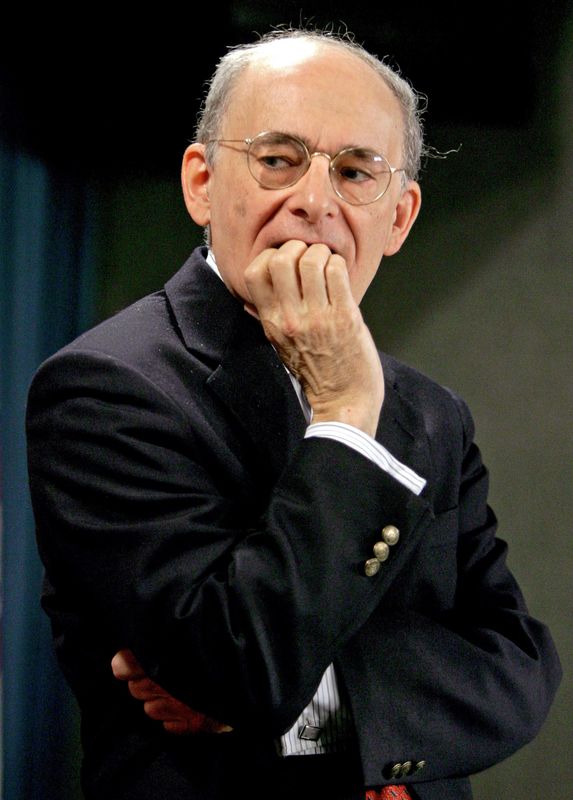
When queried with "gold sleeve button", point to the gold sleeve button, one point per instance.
{"points": [[371, 567], [381, 551], [396, 770], [390, 534]]}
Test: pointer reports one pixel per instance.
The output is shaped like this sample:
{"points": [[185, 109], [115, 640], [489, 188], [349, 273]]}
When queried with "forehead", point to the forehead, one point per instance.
{"points": [[327, 96]]}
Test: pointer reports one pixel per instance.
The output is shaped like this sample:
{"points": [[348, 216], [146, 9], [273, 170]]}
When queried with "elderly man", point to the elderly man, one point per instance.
{"points": [[270, 522]]}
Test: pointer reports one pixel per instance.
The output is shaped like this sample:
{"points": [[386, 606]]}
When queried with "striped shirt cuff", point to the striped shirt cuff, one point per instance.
{"points": [[369, 447]]}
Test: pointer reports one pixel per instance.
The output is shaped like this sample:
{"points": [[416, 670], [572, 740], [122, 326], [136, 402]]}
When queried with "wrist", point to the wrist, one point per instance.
{"points": [[363, 418]]}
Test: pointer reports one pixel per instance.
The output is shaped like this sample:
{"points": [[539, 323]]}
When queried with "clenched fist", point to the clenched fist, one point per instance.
{"points": [[301, 294]]}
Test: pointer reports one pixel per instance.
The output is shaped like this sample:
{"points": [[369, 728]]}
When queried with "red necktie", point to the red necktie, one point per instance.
{"points": [[389, 793]]}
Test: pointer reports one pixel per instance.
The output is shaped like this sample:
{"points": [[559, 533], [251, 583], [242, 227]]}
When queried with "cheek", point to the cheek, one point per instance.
{"points": [[241, 209], [374, 236]]}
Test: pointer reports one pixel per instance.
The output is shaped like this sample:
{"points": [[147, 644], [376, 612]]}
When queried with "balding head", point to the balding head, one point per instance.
{"points": [[285, 48]]}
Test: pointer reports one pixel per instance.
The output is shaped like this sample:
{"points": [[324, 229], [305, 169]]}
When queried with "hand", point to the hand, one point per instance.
{"points": [[159, 704], [302, 296]]}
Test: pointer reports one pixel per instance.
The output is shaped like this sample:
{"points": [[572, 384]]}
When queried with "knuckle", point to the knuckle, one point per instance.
{"points": [[279, 260], [337, 267], [177, 726], [125, 666], [118, 669], [136, 691], [316, 256], [320, 250], [294, 248], [152, 709], [142, 689], [291, 326], [252, 273]]}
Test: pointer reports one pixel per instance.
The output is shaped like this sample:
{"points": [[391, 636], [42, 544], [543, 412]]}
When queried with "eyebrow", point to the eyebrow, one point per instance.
{"points": [[292, 135], [311, 147]]}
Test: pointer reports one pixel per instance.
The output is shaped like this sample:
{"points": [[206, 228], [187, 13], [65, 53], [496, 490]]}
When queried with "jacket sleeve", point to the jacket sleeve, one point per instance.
{"points": [[152, 540], [457, 674]]}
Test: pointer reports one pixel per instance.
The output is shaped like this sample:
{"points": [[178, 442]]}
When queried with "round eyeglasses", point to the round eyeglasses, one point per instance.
{"points": [[277, 160]]}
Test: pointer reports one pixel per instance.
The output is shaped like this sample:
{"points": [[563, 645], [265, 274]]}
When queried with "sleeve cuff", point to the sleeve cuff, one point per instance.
{"points": [[370, 448]]}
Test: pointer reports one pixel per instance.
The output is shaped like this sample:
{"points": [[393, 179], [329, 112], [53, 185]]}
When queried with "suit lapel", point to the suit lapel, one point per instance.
{"points": [[254, 384], [245, 372]]}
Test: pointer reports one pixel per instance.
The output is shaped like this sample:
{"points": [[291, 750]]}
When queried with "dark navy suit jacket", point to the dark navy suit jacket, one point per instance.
{"points": [[181, 513]]}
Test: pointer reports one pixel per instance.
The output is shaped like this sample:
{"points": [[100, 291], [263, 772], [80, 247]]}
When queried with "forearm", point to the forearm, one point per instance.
{"points": [[459, 698], [263, 626]]}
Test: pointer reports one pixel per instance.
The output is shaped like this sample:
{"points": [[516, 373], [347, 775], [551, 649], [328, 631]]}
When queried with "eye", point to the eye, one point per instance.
{"points": [[276, 152], [276, 162], [359, 165], [354, 174]]}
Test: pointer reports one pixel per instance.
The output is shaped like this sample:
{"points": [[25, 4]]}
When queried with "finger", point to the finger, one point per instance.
{"points": [[273, 275], [212, 726], [337, 282], [312, 265], [258, 280], [182, 718], [167, 708], [177, 726], [125, 666], [145, 689], [283, 267]]}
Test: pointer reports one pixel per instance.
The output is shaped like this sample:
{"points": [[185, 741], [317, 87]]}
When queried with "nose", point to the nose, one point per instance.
{"points": [[312, 196]]}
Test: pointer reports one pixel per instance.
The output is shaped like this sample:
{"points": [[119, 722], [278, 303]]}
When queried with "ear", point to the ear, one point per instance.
{"points": [[195, 176], [405, 213]]}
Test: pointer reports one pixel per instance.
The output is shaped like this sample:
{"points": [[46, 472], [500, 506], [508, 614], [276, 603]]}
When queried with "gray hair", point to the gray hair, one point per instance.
{"points": [[233, 64]]}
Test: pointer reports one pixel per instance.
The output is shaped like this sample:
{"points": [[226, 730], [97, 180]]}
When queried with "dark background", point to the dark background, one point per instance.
{"points": [[110, 92]]}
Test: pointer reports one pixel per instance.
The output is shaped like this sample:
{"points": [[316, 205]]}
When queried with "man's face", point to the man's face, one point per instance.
{"points": [[331, 100]]}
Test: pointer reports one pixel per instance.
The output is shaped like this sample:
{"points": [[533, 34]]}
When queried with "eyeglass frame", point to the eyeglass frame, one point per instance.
{"points": [[309, 156]]}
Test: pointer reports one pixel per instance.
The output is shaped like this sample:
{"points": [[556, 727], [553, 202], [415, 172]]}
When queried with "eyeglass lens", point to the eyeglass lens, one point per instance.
{"points": [[358, 175]]}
